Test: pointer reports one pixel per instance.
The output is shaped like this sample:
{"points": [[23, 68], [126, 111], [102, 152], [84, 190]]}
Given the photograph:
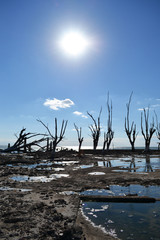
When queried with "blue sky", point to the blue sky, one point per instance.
{"points": [[125, 57]]}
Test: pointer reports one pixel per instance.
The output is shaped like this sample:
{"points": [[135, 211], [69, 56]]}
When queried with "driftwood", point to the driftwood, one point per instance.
{"points": [[22, 144], [100, 198], [130, 131], [95, 129]]}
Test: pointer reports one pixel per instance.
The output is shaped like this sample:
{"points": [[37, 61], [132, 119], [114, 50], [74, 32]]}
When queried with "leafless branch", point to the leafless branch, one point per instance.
{"points": [[95, 129]]}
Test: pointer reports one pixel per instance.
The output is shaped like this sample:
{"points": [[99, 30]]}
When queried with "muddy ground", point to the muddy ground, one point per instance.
{"points": [[52, 209]]}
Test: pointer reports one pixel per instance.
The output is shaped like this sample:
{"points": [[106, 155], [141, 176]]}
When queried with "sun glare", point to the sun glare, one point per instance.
{"points": [[74, 43]]}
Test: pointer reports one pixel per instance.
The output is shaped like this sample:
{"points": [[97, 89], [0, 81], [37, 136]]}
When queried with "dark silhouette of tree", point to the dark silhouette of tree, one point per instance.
{"points": [[22, 144], [80, 138], [55, 138], [108, 136], [149, 131], [130, 131], [95, 129], [157, 130]]}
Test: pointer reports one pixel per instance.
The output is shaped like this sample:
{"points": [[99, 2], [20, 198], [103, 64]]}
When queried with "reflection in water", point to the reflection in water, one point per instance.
{"points": [[132, 167], [131, 164], [148, 167], [104, 163]]}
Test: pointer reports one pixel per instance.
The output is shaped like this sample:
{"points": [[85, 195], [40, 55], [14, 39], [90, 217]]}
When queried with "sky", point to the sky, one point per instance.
{"points": [[39, 80]]}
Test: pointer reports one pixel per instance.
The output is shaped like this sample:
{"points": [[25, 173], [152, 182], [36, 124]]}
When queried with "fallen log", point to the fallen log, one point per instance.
{"points": [[99, 198]]}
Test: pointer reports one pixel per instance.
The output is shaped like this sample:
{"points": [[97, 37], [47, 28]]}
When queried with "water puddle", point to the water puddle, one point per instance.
{"points": [[68, 193], [25, 178], [84, 166], [96, 173], [132, 164], [119, 170], [52, 169], [30, 166], [15, 189], [66, 163], [126, 220], [116, 190]]}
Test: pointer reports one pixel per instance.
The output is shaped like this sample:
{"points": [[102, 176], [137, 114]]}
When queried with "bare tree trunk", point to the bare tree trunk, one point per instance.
{"points": [[149, 131], [95, 129], [130, 131], [80, 138], [108, 136], [47, 144]]}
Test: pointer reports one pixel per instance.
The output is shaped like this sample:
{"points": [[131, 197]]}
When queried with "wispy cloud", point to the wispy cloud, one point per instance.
{"points": [[55, 104], [80, 114], [155, 105]]}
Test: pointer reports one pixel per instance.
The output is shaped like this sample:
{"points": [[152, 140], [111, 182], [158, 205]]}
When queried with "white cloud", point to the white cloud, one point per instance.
{"points": [[55, 104], [80, 114], [84, 116], [77, 113], [141, 109]]}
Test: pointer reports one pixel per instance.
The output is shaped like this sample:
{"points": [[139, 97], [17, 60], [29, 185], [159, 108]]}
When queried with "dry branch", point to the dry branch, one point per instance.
{"points": [[55, 138], [22, 143]]}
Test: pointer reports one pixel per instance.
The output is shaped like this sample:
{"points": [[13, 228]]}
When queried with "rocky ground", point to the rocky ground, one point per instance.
{"points": [[51, 208]]}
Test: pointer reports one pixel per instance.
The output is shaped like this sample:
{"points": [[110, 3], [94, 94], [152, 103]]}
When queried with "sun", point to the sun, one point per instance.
{"points": [[74, 43]]}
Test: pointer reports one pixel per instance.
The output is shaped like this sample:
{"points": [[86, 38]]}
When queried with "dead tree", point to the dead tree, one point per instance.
{"points": [[95, 129], [130, 131], [149, 131], [55, 138], [22, 144], [108, 136], [80, 138], [157, 130]]}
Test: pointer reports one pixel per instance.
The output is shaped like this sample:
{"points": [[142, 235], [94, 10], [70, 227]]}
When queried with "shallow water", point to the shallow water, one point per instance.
{"points": [[126, 220], [84, 166], [138, 221], [116, 190], [25, 178], [30, 166], [15, 189], [132, 164], [65, 163], [96, 173]]}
